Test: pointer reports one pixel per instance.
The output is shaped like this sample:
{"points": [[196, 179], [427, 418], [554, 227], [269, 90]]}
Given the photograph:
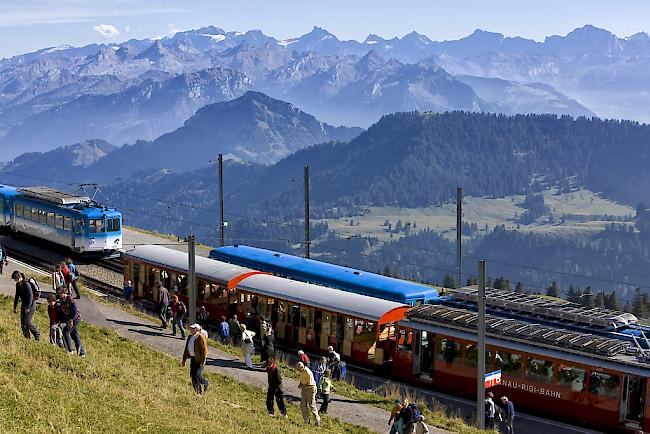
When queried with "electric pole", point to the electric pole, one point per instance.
{"points": [[480, 375], [307, 239], [459, 236], [221, 222], [192, 278]]}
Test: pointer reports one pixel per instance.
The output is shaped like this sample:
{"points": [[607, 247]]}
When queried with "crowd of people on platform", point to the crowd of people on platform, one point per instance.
{"points": [[63, 312]]}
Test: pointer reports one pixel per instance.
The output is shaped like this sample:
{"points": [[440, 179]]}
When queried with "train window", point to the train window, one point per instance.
{"points": [[59, 221], [405, 340], [112, 225], [19, 210], [67, 223], [448, 350], [508, 363], [34, 214], [219, 297], [51, 219], [571, 377], [471, 356], [539, 370], [348, 331], [78, 226], [96, 226], [42, 217], [603, 384]]}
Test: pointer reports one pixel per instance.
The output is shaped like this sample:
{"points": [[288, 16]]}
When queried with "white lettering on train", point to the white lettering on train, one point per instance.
{"points": [[531, 389]]}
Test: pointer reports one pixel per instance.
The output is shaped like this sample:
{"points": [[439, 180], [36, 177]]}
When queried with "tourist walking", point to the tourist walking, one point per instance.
{"points": [[320, 369], [178, 312], [3, 258], [202, 317], [66, 276], [247, 347], [223, 330], [302, 357], [235, 331], [163, 302], [127, 292], [275, 389], [268, 343], [25, 293], [490, 411], [74, 276], [508, 415], [421, 427], [58, 281], [307, 387], [56, 335], [196, 349], [392, 420], [325, 388], [69, 315], [408, 417]]}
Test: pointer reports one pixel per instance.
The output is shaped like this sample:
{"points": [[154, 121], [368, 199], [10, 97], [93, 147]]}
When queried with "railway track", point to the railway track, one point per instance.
{"points": [[112, 264]]}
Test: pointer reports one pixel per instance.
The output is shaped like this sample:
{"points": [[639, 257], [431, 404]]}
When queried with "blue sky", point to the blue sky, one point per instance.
{"points": [[27, 25]]}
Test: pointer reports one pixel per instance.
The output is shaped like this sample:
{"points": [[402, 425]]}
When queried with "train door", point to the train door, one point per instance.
{"points": [[632, 401], [422, 354]]}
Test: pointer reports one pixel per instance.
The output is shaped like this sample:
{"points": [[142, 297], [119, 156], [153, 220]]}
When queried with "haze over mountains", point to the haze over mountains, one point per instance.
{"points": [[141, 89]]}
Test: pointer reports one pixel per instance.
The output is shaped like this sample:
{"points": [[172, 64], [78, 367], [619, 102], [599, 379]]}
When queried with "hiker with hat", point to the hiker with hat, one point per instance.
{"points": [[196, 349], [392, 420]]}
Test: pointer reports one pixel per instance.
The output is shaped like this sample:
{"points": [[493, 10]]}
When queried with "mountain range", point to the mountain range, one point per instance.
{"points": [[140, 89]]}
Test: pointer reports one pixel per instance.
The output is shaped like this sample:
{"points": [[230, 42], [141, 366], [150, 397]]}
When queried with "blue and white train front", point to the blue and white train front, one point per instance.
{"points": [[101, 231]]}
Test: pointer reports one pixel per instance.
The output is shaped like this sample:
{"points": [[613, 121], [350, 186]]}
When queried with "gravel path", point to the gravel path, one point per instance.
{"points": [[150, 334]]}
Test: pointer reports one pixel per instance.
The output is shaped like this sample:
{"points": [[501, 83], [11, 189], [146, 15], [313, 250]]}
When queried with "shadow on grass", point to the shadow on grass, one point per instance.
{"points": [[154, 333], [361, 401], [233, 364]]}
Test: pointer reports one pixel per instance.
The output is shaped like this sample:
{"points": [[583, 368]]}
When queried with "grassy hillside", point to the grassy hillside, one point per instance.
{"points": [[121, 387]]}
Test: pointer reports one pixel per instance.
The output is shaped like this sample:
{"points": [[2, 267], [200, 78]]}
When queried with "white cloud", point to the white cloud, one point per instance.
{"points": [[127, 29], [173, 29], [106, 30]]}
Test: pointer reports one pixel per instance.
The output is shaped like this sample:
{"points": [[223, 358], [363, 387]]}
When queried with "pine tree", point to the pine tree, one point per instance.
{"points": [[449, 281], [612, 302], [519, 289], [573, 295], [601, 299], [472, 281], [640, 305], [553, 290]]}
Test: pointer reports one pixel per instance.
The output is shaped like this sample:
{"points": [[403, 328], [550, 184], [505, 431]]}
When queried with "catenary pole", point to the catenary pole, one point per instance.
{"points": [[221, 220], [192, 278], [459, 236], [480, 375], [307, 235]]}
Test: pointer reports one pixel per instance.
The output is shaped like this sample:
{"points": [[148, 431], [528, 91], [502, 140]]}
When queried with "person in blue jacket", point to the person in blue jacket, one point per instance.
{"points": [[508, 415]]}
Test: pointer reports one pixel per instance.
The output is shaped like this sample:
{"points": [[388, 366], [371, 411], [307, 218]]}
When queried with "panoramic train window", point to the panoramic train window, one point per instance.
{"points": [[34, 214], [96, 226], [405, 340], [448, 350], [59, 221], [539, 370], [112, 225], [42, 217], [509, 363], [19, 210], [603, 384], [471, 356], [571, 377], [51, 219], [67, 223]]}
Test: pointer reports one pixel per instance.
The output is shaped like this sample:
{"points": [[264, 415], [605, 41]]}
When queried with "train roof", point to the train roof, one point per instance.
{"points": [[55, 197], [177, 260], [323, 297], [529, 336], [7, 190], [550, 308], [336, 276]]}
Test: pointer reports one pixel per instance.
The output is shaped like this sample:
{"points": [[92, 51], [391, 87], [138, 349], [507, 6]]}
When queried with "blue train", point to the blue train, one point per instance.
{"points": [[70, 220], [322, 273]]}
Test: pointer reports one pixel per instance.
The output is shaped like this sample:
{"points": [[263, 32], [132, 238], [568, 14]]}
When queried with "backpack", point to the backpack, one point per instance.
{"points": [[181, 310], [36, 290], [416, 413]]}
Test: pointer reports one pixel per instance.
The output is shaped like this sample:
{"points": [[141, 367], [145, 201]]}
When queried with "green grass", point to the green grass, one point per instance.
{"points": [[122, 387]]}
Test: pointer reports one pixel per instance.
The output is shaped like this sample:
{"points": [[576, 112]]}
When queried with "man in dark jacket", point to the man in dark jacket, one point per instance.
{"points": [[69, 315], [3, 258], [163, 302], [275, 389], [25, 293], [508, 415]]}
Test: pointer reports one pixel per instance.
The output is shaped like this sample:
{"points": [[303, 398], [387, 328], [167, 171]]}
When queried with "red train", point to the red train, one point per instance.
{"points": [[557, 359]]}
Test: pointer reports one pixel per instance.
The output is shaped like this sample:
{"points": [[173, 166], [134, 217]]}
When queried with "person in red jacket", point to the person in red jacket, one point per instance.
{"points": [[304, 358], [56, 335]]}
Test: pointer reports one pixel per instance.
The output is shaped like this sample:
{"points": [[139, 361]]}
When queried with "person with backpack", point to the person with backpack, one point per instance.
{"points": [[66, 277], [69, 315], [27, 294], [235, 331], [275, 389], [74, 276], [58, 280], [247, 347], [409, 417], [421, 427], [178, 312], [3, 258], [56, 336], [490, 411], [324, 388], [394, 414]]}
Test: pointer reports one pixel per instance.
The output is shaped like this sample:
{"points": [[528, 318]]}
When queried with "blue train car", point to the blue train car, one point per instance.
{"points": [[322, 273], [70, 220]]}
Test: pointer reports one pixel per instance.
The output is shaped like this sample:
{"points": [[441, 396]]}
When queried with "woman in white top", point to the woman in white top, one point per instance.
{"points": [[247, 346]]}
